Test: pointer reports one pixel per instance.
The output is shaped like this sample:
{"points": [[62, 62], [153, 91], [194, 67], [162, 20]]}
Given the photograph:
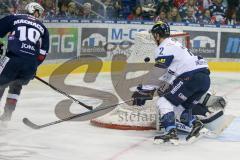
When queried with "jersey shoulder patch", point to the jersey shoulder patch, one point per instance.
{"points": [[163, 61]]}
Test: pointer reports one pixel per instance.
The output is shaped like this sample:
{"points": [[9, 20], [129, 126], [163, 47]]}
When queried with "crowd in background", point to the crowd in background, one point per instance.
{"points": [[189, 11]]}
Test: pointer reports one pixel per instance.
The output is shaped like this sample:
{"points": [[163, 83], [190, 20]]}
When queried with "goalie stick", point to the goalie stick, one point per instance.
{"points": [[64, 93], [97, 112]]}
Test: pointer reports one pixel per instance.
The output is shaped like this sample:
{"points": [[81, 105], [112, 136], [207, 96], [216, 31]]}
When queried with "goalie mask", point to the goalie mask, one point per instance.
{"points": [[34, 7], [160, 29]]}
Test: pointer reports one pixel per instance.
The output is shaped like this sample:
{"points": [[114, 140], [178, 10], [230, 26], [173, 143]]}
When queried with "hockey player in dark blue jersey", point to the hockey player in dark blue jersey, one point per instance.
{"points": [[28, 45]]}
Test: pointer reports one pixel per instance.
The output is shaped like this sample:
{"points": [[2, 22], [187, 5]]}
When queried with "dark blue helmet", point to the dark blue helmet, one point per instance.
{"points": [[161, 28]]}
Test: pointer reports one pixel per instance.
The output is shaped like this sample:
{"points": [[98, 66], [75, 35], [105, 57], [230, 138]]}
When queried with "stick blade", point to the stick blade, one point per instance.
{"points": [[28, 123]]}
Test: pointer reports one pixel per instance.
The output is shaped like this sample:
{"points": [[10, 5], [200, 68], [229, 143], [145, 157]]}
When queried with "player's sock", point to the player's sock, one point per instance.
{"points": [[8, 109], [187, 117]]}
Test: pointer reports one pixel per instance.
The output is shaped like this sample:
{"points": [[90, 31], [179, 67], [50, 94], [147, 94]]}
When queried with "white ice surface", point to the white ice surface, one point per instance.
{"points": [[81, 141]]}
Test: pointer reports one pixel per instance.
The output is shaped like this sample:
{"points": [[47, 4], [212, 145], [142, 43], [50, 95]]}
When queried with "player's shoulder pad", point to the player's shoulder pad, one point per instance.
{"points": [[10, 16], [163, 61]]}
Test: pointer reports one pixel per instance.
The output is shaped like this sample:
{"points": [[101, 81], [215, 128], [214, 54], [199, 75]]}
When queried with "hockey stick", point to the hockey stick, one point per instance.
{"points": [[86, 116], [64, 93]]}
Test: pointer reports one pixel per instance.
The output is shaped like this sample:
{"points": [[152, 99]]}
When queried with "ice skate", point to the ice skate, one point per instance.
{"points": [[197, 132], [7, 114], [170, 137]]}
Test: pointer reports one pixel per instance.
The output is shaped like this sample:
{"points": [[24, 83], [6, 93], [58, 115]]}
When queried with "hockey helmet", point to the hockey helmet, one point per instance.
{"points": [[161, 28], [32, 7]]}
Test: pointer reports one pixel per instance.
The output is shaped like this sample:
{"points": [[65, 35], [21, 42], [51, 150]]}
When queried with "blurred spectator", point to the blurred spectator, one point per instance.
{"points": [[3, 8], [113, 9], [164, 5], [127, 6], [21, 6], [49, 8], [233, 4], [179, 3], [87, 14], [136, 14], [118, 7], [203, 4], [63, 8], [206, 18], [146, 2], [12, 4], [224, 3], [207, 4], [111, 13], [148, 13], [191, 3], [218, 12], [238, 13], [199, 5], [6, 7], [174, 15], [121, 9], [232, 17], [184, 9], [190, 18], [73, 12], [161, 17]]}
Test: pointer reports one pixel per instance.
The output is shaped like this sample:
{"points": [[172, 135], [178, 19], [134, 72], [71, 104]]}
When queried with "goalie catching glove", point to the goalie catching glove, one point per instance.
{"points": [[141, 95]]}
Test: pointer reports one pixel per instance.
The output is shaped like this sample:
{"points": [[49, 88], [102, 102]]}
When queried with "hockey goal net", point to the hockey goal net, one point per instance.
{"points": [[126, 117]]}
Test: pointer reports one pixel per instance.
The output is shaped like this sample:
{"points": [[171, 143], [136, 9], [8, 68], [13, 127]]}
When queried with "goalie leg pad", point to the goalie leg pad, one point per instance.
{"points": [[213, 102]]}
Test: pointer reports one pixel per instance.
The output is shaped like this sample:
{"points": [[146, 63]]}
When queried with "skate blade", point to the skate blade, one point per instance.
{"points": [[170, 142], [203, 132]]}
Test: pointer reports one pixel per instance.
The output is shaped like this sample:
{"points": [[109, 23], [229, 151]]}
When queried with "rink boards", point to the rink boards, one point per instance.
{"points": [[46, 69]]}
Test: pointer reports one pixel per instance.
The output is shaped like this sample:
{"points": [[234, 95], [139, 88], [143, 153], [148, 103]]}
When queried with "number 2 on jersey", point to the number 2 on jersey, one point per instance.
{"points": [[161, 50]]}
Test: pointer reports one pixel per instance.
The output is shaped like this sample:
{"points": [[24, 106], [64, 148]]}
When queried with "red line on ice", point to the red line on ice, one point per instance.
{"points": [[117, 155]]}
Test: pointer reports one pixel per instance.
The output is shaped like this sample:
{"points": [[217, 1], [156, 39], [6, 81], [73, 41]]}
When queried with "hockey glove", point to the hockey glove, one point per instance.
{"points": [[164, 89], [40, 59], [141, 95]]}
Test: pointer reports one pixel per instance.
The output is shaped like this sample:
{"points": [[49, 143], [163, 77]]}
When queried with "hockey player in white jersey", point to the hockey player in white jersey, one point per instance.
{"points": [[189, 79]]}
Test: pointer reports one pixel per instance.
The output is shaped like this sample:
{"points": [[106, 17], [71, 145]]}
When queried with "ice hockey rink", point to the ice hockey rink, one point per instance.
{"points": [[82, 141]]}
